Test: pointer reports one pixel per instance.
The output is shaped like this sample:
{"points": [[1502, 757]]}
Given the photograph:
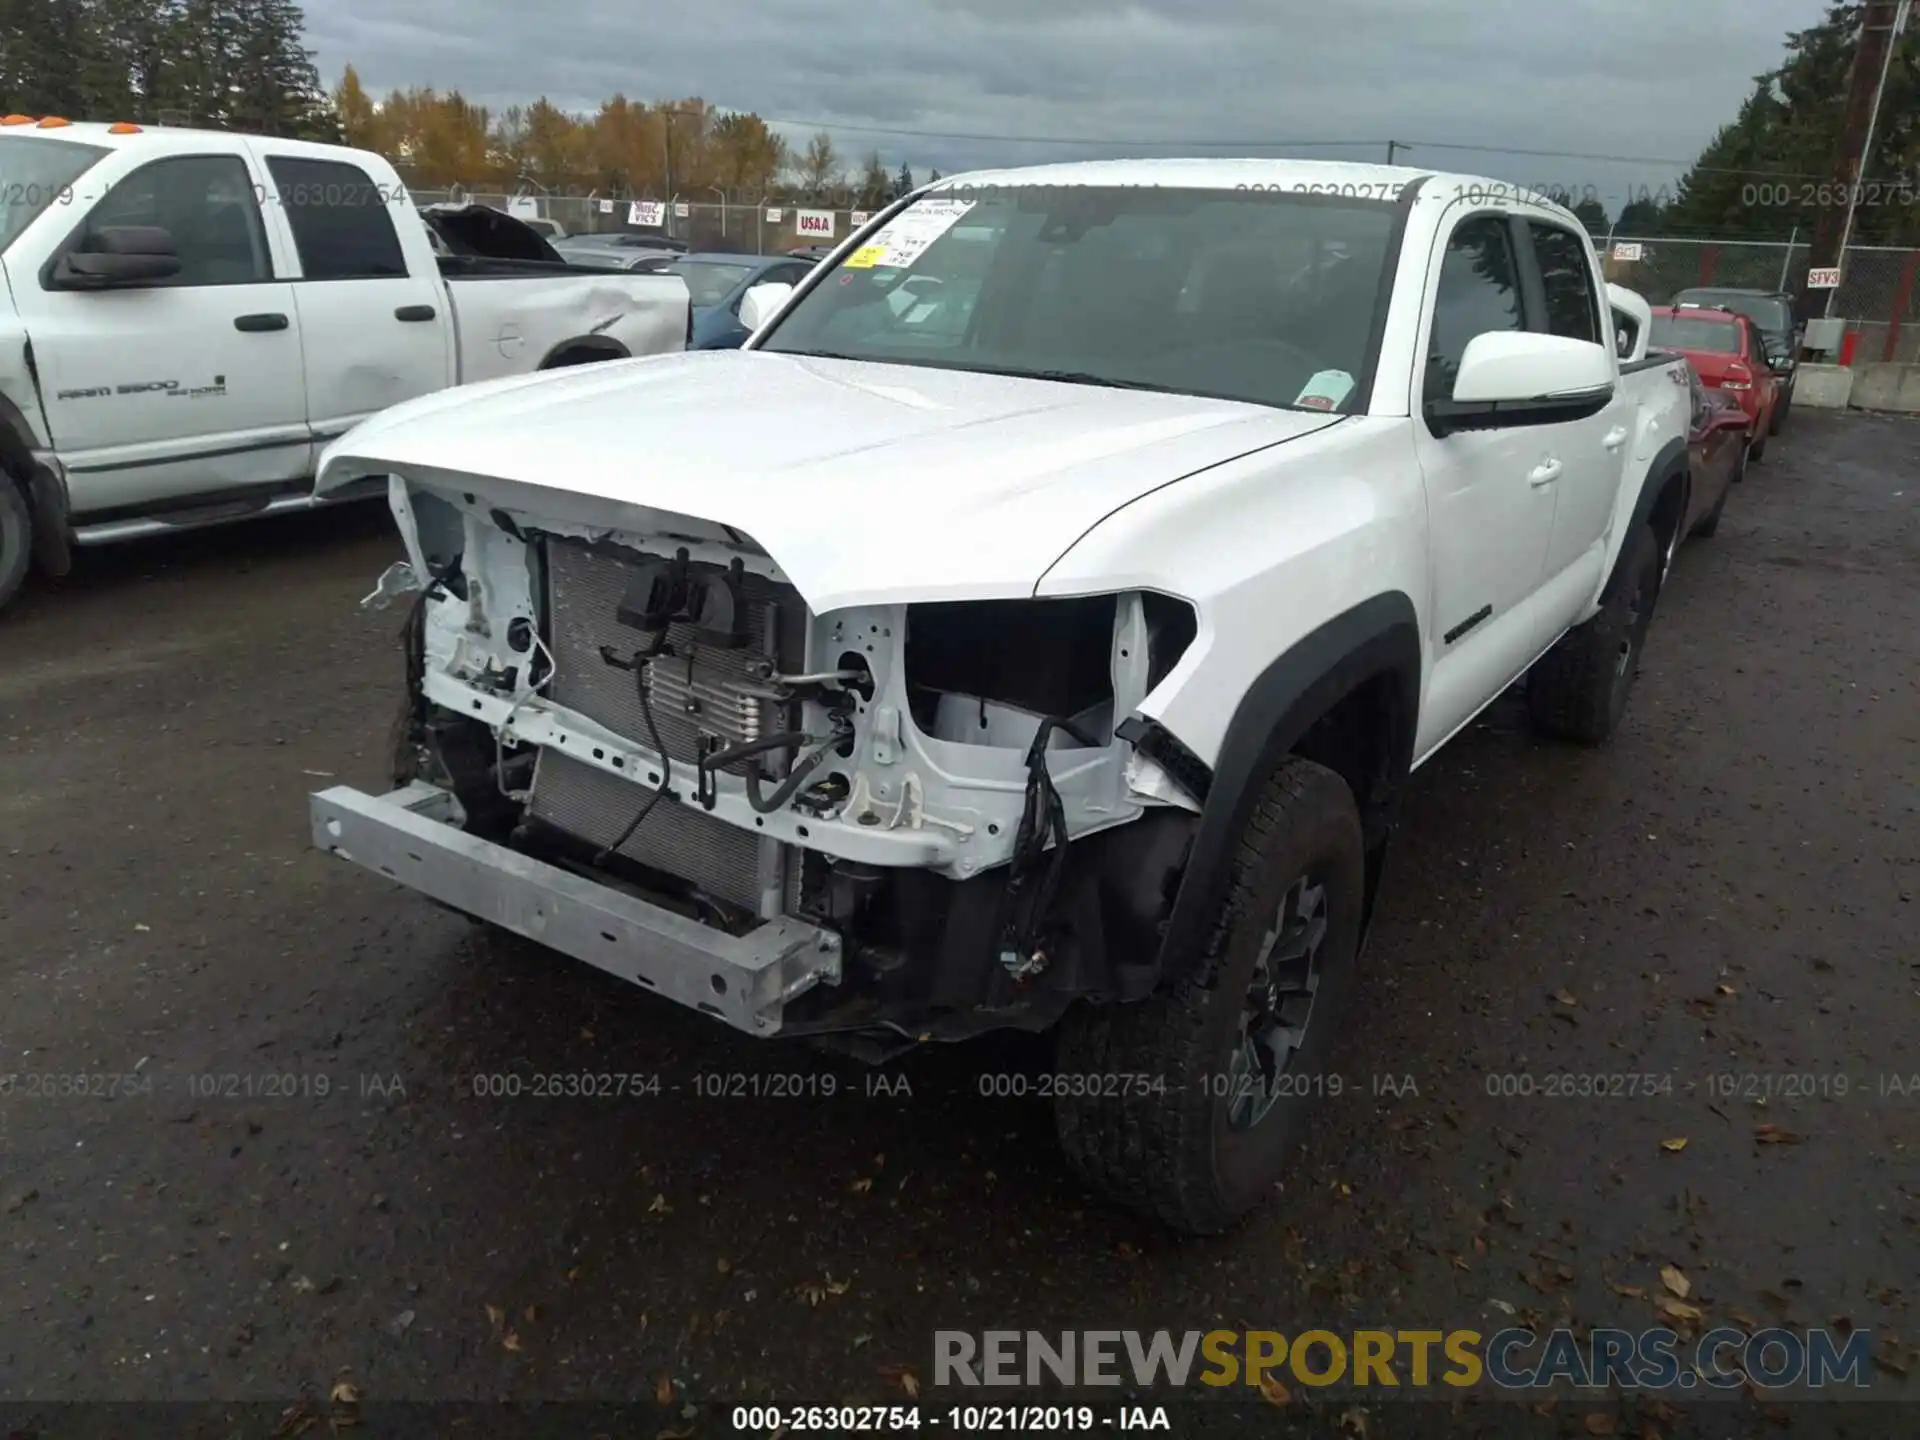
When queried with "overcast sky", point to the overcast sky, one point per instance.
{"points": [[1643, 78]]}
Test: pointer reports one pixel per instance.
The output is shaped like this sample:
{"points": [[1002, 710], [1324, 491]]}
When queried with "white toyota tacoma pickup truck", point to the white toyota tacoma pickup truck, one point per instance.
{"points": [[187, 317], [1051, 650]]}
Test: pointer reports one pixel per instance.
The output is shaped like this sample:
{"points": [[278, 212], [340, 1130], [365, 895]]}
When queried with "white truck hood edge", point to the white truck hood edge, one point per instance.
{"points": [[865, 483]]}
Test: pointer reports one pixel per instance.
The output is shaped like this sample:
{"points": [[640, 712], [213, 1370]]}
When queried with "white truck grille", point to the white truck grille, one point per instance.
{"points": [[698, 696]]}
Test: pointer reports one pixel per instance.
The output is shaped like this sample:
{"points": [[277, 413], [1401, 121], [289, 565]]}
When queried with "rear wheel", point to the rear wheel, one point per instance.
{"points": [[1780, 409], [1758, 449], [16, 538], [1578, 690], [1236, 1050]]}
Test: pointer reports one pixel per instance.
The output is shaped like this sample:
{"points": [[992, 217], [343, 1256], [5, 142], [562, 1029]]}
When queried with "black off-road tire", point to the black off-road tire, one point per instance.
{"points": [[1781, 406], [1578, 690], [16, 538], [1170, 1154], [1709, 524]]}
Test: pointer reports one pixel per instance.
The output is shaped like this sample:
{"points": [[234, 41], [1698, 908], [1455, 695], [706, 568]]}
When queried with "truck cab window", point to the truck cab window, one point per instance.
{"points": [[1479, 291], [206, 203], [1566, 274], [339, 218]]}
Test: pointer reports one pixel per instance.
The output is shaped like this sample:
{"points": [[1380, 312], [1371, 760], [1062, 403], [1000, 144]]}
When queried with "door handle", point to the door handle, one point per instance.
{"points": [[414, 312], [1616, 437], [1545, 473], [270, 321]]}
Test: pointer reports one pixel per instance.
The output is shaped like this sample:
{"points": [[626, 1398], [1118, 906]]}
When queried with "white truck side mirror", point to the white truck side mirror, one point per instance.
{"points": [[1507, 366], [762, 301]]}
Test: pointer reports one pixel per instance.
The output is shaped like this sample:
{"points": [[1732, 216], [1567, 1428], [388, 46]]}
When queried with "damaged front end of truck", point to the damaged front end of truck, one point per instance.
{"points": [[628, 737]]}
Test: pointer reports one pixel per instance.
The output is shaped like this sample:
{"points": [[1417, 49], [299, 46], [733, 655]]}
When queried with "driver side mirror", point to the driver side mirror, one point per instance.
{"points": [[117, 257], [1519, 377], [762, 302]]}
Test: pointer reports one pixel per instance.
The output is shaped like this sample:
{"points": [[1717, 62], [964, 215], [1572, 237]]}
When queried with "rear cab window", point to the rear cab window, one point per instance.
{"points": [[341, 219], [1566, 278]]}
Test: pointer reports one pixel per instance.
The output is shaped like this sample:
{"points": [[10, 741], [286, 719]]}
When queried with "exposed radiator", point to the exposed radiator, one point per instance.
{"points": [[585, 585]]}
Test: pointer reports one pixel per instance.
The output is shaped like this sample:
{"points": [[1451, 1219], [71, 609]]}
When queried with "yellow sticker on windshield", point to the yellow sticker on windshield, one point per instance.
{"points": [[865, 258]]}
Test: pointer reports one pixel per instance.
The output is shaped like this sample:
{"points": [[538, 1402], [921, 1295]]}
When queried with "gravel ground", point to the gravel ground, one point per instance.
{"points": [[1726, 890]]}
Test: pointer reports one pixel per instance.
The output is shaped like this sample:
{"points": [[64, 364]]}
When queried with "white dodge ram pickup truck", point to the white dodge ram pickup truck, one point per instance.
{"points": [[187, 317], [1050, 650]]}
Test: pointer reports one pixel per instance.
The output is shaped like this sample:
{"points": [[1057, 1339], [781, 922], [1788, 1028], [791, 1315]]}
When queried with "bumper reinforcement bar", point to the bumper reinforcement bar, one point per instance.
{"points": [[745, 980]]}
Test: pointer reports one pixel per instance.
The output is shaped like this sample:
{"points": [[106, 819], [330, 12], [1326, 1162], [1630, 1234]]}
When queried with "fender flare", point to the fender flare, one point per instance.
{"points": [[45, 489], [1669, 462], [1380, 636], [592, 348]]}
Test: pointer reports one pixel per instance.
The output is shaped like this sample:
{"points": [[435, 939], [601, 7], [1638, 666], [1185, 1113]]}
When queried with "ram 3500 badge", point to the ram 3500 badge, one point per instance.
{"points": [[1034, 625]]}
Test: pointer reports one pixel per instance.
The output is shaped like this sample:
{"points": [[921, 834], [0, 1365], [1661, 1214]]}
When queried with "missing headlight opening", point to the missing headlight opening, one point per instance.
{"points": [[933, 795]]}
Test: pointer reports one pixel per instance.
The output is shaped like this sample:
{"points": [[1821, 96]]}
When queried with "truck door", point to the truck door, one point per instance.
{"points": [[1490, 516], [177, 388], [1593, 451], [373, 309]]}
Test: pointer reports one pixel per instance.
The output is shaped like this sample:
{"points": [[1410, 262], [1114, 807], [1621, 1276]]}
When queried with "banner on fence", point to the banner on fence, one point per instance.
{"points": [[1823, 279], [817, 224], [647, 212], [1628, 252], [523, 207], [681, 210], [858, 218], [774, 214], [606, 207]]}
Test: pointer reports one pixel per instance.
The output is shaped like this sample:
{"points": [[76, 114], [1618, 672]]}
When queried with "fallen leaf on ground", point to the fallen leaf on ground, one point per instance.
{"points": [[1676, 1281], [344, 1394], [659, 1206], [1565, 997], [1632, 1292], [838, 1287], [510, 1341], [496, 1315], [663, 1390], [909, 1383], [862, 1185], [1675, 1309], [1601, 1424], [1273, 1392], [1725, 989], [1774, 1135], [723, 1265], [1676, 1145]]}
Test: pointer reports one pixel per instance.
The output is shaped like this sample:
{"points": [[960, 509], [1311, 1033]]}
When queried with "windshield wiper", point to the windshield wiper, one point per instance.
{"points": [[1076, 377]]}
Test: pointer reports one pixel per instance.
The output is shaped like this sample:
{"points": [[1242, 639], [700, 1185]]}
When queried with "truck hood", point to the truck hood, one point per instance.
{"points": [[865, 483]]}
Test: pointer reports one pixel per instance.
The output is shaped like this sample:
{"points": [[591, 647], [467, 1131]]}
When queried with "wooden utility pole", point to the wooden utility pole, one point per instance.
{"points": [[1863, 87]]}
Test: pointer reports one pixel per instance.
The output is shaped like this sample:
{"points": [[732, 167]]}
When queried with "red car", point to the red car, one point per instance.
{"points": [[1729, 355]]}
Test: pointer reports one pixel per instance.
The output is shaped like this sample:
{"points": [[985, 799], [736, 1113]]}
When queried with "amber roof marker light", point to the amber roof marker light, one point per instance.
{"points": [[123, 127], [16, 119], [53, 122]]}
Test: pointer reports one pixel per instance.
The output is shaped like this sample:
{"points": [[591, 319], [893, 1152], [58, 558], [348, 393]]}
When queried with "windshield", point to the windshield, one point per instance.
{"points": [[1766, 311], [709, 281], [1255, 295], [1670, 332], [36, 172]]}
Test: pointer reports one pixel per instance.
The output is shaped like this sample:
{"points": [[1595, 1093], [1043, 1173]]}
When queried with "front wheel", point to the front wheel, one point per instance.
{"points": [[16, 538], [1235, 1051], [1578, 690]]}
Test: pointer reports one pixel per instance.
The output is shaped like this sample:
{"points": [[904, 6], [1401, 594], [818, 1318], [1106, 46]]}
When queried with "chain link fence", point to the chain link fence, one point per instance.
{"points": [[1877, 295]]}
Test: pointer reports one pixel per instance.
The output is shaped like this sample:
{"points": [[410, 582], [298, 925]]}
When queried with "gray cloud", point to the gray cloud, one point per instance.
{"points": [[1622, 77]]}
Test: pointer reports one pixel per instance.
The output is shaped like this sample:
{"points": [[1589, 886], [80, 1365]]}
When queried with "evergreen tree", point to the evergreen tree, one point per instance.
{"points": [[1763, 174], [223, 63], [903, 182]]}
